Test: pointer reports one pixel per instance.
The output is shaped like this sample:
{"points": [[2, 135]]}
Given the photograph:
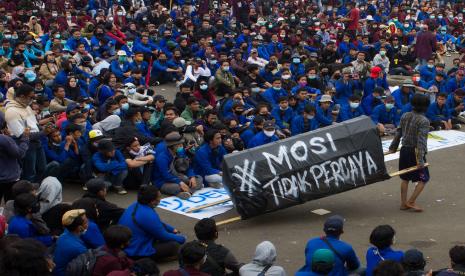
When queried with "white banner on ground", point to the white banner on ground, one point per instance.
{"points": [[199, 198], [436, 140]]}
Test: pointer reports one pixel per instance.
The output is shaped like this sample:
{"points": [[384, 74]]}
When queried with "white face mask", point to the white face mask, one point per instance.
{"points": [[269, 133], [354, 105], [132, 91], [310, 117], [286, 77], [203, 86]]}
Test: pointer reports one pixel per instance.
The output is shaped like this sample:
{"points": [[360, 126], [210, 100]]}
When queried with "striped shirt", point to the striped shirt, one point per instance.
{"points": [[413, 130]]}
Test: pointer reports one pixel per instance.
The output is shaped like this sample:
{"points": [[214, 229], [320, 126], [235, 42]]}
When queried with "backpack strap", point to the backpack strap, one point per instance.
{"points": [[265, 269], [332, 248]]}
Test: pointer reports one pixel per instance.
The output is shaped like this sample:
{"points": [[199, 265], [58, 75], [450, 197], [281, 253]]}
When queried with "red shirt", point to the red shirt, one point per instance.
{"points": [[354, 16]]}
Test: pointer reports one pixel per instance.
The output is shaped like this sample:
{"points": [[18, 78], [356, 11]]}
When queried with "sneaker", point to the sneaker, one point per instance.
{"points": [[184, 195], [457, 126], [448, 54], [215, 185], [120, 190], [84, 188]]}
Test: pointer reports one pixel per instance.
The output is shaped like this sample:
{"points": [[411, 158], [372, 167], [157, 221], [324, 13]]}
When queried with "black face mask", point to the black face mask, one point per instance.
{"points": [[35, 208], [238, 112]]}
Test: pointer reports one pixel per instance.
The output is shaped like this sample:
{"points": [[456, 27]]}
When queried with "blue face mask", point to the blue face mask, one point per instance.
{"points": [[389, 106], [180, 151]]}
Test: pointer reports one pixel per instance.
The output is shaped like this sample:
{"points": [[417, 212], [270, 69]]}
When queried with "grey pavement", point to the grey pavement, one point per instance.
{"points": [[434, 231]]}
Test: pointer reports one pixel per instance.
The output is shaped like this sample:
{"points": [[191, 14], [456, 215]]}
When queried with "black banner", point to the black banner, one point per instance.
{"points": [[305, 167]]}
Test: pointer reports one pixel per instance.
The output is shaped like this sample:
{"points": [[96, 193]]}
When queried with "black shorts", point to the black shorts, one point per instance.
{"points": [[408, 159]]}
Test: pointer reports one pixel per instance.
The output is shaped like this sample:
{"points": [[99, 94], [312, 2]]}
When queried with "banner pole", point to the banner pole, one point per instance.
{"points": [[226, 221], [193, 209], [407, 170]]}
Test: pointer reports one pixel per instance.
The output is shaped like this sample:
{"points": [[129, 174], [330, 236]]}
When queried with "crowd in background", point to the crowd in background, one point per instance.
{"points": [[79, 102]]}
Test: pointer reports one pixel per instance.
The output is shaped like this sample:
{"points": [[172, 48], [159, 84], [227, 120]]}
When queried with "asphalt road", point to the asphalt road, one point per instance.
{"points": [[434, 231]]}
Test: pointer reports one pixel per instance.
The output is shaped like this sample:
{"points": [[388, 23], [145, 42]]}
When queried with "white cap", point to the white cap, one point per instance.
{"points": [[130, 85], [121, 53], [369, 18]]}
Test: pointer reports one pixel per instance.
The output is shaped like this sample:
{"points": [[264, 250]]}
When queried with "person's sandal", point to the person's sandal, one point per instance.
{"points": [[414, 207]]}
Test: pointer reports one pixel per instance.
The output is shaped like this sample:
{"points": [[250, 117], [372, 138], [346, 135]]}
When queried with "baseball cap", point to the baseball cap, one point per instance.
{"points": [[268, 125], [71, 107], [95, 133], [375, 71], [413, 257], [180, 122], [325, 98], [334, 224], [159, 98], [323, 256], [69, 217], [408, 83], [121, 53]]}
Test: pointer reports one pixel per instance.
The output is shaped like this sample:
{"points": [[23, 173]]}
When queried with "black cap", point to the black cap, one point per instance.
{"points": [[334, 224], [268, 125], [414, 257], [159, 98]]}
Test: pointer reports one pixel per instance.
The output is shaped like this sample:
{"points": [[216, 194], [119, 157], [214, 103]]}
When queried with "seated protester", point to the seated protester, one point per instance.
{"points": [[272, 94], [73, 90], [172, 172], [263, 262], [193, 111], [26, 257], [158, 113], [78, 119], [346, 261], [428, 70], [136, 79], [302, 100], [143, 125], [208, 159], [347, 86], [109, 108], [164, 71], [455, 82], [93, 238], [324, 110], [457, 262], [305, 122], [267, 135], [219, 257], [150, 236], [455, 104], [322, 264], [371, 101], [438, 114], [440, 82], [59, 102], [204, 93], [210, 117], [376, 79], [225, 110], [22, 224], [303, 83], [224, 80], [283, 115], [110, 164], [137, 96], [108, 213], [414, 263], [117, 238], [181, 98], [193, 255], [403, 95], [382, 237], [353, 110], [192, 138], [239, 114], [121, 66], [139, 159], [255, 127], [385, 116], [70, 245]]}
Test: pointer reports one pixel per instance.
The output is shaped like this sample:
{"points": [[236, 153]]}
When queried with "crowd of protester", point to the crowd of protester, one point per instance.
{"points": [[79, 103]]}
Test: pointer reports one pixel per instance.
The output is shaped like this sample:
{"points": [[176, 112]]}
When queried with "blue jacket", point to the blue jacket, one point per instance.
{"points": [[68, 247], [208, 162], [104, 92], [93, 237], [436, 113], [149, 228], [114, 165], [381, 115], [23, 227], [272, 95], [144, 129], [374, 257], [161, 172], [402, 99], [442, 86], [72, 43], [116, 68], [274, 47], [427, 74], [369, 103], [324, 118], [261, 139], [347, 113], [297, 69], [341, 267], [298, 125], [345, 90], [300, 106], [452, 104], [310, 90], [247, 135], [283, 117], [371, 83], [452, 85], [143, 66]]}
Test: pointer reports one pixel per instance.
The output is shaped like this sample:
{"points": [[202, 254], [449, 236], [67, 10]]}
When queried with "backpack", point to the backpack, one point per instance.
{"points": [[83, 265]]}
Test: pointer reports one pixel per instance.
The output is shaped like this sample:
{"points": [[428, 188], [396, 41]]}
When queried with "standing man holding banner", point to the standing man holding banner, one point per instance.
{"points": [[413, 130]]}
